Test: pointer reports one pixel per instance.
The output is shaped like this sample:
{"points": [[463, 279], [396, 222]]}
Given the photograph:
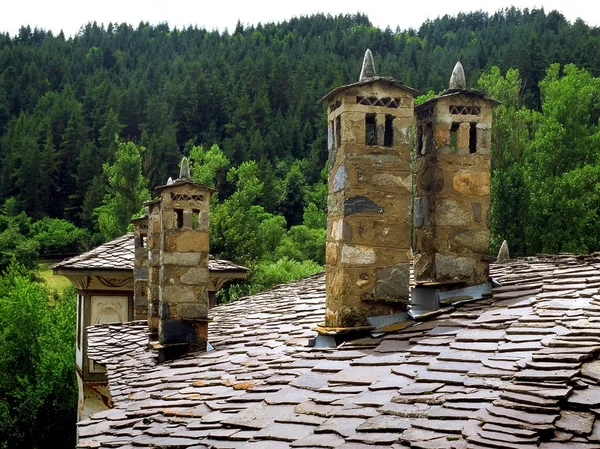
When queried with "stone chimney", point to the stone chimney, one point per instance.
{"points": [[452, 186], [369, 199], [140, 268], [153, 243], [178, 262]]}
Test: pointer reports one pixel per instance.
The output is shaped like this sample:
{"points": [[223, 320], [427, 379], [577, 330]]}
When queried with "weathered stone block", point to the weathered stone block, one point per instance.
{"points": [[335, 203], [448, 268], [169, 219], [477, 241], [187, 241], [332, 250], [449, 212], [476, 212], [353, 128], [392, 283], [361, 204], [195, 276], [421, 213], [463, 137], [183, 259], [140, 302], [194, 311], [334, 228], [431, 180], [332, 156], [403, 130], [382, 176], [472, 183], [395, 207], [140, 273], [176, 294], [386, 256], [423, 267], [140, 288], [339, 180], [154, 275], [484, 139], [424, 240], [357, 255], [400, 182], [376, 232], [441, 135]]}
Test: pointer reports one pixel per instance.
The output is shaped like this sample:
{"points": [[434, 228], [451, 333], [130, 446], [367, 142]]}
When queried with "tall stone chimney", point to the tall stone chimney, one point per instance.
{"points": [[452, 186], [369, 199], [178, 232], [140, 268]]}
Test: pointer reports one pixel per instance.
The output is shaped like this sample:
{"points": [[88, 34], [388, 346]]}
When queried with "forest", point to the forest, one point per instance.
{"points": [[89, 125]]}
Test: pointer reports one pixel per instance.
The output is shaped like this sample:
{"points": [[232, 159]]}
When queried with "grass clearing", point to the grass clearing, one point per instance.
{"points": [[58, 283]]}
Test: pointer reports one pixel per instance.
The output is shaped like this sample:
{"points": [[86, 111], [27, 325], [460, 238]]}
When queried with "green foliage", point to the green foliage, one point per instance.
{"points": [[545, 165], [563, 163], [314, 218], [127, 191], [252, 92], [208, 166], [512, 130], [15, 243], [268, 274], [283, 270], [38, 388], [303, 243], [56, 236], [425, 97]]}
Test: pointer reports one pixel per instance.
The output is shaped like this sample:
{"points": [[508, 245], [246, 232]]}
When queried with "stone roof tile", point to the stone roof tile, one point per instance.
{"points": [[265, 386]]}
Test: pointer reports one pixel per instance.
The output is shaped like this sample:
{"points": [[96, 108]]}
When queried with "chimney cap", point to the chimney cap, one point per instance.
{"points": [[368, 67], [185, 177], [503, 254], [184, 171], [369, 76], [458, 79]]}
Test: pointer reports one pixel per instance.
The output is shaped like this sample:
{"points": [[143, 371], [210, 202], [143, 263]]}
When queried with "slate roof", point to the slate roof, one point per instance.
{"points": [[118, 254], [517, 370]]}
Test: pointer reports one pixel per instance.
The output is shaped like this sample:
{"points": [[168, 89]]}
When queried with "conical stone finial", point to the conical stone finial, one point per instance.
{"points": [[503, 254], [368, 67], [169, 181], [184, 172], [458, 80]]}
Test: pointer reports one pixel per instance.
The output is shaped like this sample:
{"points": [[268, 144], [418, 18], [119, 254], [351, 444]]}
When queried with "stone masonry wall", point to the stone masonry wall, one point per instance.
{"points": [[184, 265], [153, 244], [452, 191], [369, 204], [140, 269]]}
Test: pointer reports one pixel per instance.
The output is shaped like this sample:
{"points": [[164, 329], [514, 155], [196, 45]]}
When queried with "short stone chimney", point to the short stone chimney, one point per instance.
{"points": [[452, 186], [140, 268], [369, 199], [179, 247]]}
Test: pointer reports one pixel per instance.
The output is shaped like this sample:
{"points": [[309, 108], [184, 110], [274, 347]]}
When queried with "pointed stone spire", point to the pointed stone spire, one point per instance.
{"points": [[458, 80], [503, 254], [184, 172], [169, 181], [368, 67]]}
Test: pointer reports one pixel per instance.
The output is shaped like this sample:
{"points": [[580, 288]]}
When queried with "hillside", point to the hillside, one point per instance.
{"points": [[253, 93]]}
